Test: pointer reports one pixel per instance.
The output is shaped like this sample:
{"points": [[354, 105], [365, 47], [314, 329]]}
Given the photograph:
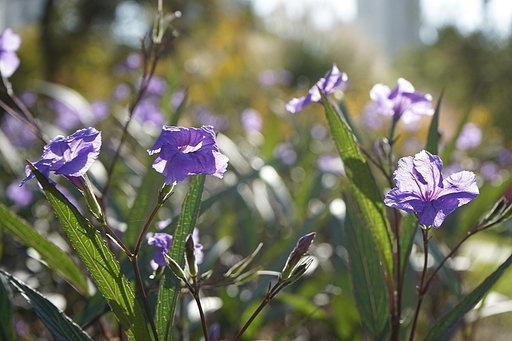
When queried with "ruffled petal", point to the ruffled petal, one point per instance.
{"points": [[408, 201]]}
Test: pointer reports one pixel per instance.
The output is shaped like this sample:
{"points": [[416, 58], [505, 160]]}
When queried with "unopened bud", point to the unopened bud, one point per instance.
{"points": [[296, 255], [190, 255], [91, 199], [300, 270], [175, 267], [165, 193]]}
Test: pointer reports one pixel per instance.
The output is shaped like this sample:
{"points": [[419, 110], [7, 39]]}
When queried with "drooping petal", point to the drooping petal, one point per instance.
{"points": [[407, 201], [297, 104]]}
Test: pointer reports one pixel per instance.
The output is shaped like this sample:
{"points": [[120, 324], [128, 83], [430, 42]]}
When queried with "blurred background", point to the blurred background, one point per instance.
{"points": [[236, 63]]}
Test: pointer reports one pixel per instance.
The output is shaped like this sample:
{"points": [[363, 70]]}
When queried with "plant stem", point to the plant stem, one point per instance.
{"points": [[396, 298], [140, 284], [421, 291], [270, 295], [195, 294], [146, 78], [145, 228]]}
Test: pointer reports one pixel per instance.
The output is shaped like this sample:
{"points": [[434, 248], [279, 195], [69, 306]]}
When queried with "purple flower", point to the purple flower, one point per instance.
{"points": [[286, 153], [148, 111], [121, 92], [156, 86], [205, 117], [421, 189], [99, 109], [69, 156], [17, 133], [403, 101], [21, 196], [67, 117], [163, 241], [470, 137], [187, 151], [9, 44], [133, 61], [333, 81], [251, 120]]}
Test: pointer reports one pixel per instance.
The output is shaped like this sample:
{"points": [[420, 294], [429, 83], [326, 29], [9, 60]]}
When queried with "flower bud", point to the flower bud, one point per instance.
{"points": [[175, 267], [165, 193], [296, 255], [191, 256], [91, 199]]}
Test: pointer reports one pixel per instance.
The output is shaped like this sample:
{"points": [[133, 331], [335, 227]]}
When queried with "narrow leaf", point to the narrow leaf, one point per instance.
{"points": [[6, 313], [99, 261], [367, 194], [448, 320], [407, 233], [433, 131], [58, 323], [169, 284], [368, 278], [49, 252]]}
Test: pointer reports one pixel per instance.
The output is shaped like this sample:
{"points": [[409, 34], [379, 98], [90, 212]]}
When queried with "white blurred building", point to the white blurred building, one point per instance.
{"points": [[392, 24]]}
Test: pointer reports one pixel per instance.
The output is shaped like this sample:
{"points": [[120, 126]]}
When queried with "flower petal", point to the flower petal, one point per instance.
{"points": [[427, 170], [461, 186], [408, 201], [298, 104], [434, 212], [9, 63]]}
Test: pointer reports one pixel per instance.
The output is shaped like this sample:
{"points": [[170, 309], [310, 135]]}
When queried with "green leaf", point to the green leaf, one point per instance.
{"points": [[58, 323], [433, 131], [99, 261], [367, 194], [6, 313], [407, 233], [169, 284], [368, 278], [452, 317], [56, 259]]}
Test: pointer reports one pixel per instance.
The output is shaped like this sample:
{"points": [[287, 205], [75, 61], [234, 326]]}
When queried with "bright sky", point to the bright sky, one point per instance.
{"points": [[467, 15]]}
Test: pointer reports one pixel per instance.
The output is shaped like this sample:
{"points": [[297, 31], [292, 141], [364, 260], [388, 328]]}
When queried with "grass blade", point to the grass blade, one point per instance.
{"points": [[169, 284], [58, 323], [49, 252]]}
